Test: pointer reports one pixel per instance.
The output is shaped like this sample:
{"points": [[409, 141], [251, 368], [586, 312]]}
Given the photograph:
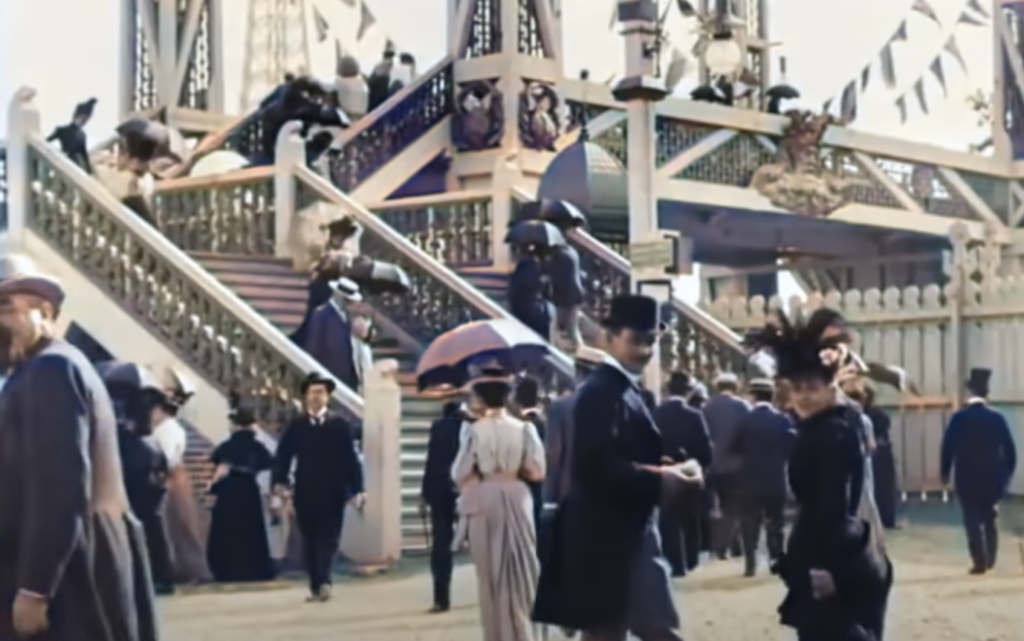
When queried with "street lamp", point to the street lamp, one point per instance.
{"points": [[723, 55]]}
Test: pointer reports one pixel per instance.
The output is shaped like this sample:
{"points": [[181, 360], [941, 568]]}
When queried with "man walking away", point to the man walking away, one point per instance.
{"points": [[978, 447], [438, 495], [684, 436], [723, 413], [763, 442], [527, 399]]}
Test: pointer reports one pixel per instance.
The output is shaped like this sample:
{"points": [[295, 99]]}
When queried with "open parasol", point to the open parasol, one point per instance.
{"points": [[379, 277], [165, 140], [561, 213], [535, 232], [508, 342]]}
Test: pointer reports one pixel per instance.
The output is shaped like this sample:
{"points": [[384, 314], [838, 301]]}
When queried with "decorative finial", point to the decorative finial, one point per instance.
{"points": [[584, 131]]}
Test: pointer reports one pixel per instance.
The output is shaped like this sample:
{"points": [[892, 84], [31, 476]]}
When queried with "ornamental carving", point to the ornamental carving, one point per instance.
{"points": [[479, 116], [801, 181], [540, 122]]}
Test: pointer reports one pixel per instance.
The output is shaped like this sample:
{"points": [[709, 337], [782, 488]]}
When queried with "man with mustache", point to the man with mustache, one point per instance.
{"points": [[72, 557]]}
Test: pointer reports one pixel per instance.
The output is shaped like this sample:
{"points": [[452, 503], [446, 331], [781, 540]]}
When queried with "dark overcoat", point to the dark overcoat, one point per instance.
{"points": [[66, 530], [978, 449], [684, 432], [565, 276], [600, 526], [525, 291], [328, 339]]}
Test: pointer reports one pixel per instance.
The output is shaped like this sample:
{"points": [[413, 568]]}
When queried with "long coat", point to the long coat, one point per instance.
{"points": [[563, 269], [557, 448], [684, 432], [585, 581], [328, 339], [526, 287], [66, 530], [979, 449]]}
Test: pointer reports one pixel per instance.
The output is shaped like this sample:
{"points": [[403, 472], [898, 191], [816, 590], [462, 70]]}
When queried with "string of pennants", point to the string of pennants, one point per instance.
{"points": [[973, 14], [366, 21]]}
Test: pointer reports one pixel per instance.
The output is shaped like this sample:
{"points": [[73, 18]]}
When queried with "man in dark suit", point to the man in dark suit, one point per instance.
{"points": [[684, 436], [978, 447], [616, 581], [328, 475], [563, 269], [527, 400], [438, 494], [328, 335], [764, 439], [723, 413], [72, 562]]}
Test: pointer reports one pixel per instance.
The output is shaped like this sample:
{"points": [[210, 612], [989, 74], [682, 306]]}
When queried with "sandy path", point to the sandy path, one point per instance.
{"points": [[933, 600]]}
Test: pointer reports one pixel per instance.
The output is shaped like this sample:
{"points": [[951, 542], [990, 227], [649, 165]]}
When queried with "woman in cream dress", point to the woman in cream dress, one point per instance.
{"points": [[497, 454]]}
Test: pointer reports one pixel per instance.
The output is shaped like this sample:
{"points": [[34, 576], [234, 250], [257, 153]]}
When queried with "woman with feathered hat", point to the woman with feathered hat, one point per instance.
{"points": [[837, 574], [498, 454]]}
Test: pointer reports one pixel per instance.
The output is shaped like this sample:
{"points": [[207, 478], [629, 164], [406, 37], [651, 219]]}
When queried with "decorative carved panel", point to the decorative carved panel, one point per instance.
{"points": [[540, 115], [479, 120]]}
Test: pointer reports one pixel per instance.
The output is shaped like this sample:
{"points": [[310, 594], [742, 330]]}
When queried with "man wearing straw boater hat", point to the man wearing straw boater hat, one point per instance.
{"points": [[616, 582], [70, 543]]}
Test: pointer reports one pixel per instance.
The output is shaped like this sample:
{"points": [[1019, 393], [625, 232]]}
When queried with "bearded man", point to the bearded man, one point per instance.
{"points": [[72, 557]]}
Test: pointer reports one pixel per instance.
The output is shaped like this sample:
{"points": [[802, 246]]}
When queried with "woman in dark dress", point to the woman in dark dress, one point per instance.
{"points": [[238, 549], [836, 571], [883, 461]]}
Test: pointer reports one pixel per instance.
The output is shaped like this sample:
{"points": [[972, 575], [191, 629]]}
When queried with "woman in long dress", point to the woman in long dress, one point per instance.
{"points": [[238, 548], [836, 571], [498, 454]]}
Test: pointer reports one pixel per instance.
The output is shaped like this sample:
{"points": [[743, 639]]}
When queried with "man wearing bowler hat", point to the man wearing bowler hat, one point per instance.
{"points": [[328, 474], [73, 561], [978, 449], [605, 574]]}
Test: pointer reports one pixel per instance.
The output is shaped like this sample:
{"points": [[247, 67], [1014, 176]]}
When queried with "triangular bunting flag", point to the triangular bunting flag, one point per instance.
{"points": [[322, 28], [865, 78], [953, 49], [888, 66], [939, 73], [925, 9], [901, 104], [349, 3], [827, 106], [966, 18], [901, 33], [977, 7], [366, 20], [848, 102], [922, 100]]}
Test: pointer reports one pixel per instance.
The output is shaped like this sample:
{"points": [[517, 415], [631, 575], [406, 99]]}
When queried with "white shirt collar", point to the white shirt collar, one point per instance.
{"points": [[976, 400], [614, 362], [763, 404], [321, 415]]}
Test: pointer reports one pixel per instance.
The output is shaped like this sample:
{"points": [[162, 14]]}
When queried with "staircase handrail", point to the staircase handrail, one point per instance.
{"points": [[694, 314], [238, 177], [371, 222], [202, 279], [370, 119]]}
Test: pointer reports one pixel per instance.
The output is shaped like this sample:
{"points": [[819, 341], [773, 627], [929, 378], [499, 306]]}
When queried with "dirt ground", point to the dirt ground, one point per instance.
{"points": [[934, 599]]}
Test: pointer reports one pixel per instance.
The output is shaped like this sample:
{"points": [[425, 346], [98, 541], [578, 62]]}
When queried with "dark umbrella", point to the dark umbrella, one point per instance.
{"points": [[535, 232], [562, 213], [777, 94], [379, 277], [129, 375], [447, 360], [165, 142]]}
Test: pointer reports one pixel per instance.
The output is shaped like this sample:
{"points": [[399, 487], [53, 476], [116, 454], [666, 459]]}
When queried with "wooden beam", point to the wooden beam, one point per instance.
{"points": [[979, 206], [902, 197]]}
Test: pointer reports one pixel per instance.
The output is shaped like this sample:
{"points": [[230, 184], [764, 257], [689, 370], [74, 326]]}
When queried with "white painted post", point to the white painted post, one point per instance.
{"points": [[289, 153], [22, 123], [373, 540]]}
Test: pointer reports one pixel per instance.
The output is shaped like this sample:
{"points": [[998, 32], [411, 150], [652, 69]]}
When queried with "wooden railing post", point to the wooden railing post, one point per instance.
{"points": [[289, 152], [22, 124], [373, 540]]}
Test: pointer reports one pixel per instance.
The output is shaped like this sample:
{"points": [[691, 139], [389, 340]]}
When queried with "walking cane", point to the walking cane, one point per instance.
{"points": [[427, 534]]}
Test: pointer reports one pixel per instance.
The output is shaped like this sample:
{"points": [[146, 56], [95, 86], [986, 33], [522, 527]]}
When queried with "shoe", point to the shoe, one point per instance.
{"points": [[325, 593], [314, 597], [977, 569], [749, 572], [438, 609], [164, 589]]}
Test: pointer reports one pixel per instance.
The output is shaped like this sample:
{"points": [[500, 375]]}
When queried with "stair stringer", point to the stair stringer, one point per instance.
{"points": [[125, 337], [397, 172]]}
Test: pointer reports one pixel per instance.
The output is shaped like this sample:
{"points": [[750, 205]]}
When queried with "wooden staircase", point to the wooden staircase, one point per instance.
{"points": [[278, 292], [490, 282]]}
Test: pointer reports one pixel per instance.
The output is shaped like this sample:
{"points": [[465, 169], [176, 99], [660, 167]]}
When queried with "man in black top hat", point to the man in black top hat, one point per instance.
{"points": [[684, 436], [438, 494], [328, 475], [616, 581], [979, 448], [764, 438], [71, 137]]}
